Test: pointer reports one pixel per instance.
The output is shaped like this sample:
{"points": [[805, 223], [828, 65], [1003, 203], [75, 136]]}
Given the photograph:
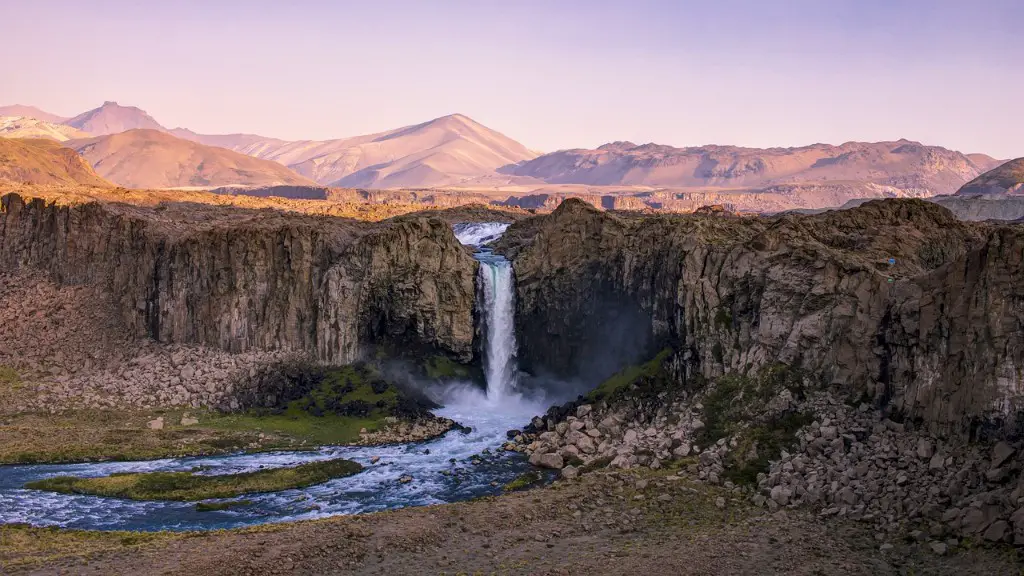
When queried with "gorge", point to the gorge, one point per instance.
{"points": [[894, 306]]}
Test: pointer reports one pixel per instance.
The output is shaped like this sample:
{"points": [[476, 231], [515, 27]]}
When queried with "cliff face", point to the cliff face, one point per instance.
{"points": [[244, 280], [937, 335]]}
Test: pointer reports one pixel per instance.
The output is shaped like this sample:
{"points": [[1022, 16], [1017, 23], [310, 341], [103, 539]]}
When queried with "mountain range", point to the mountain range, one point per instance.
{"points": [[131, 148]]}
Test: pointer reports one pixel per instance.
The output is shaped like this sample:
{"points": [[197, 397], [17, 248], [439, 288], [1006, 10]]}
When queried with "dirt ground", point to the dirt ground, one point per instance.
{"points": [[604, 523]]}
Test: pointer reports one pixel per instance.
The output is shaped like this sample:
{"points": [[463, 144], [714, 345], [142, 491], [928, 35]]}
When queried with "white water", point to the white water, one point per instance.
{"points": [[479, 234], [436, 477], [499, 302], [500, 364]]}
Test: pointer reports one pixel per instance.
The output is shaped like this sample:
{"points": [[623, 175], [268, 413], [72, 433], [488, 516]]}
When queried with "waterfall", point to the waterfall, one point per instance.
{"points": [[498, 301], [500, 365]]}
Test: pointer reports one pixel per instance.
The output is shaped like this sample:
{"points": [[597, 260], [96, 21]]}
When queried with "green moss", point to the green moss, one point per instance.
{"points": [[723, 317], [186, 486], [444, 368], [524, 480], [22, 545], [761, 444], [596, 464], [736, 398], [632, 376], [9, 376], [345, 401], [217, 506]]}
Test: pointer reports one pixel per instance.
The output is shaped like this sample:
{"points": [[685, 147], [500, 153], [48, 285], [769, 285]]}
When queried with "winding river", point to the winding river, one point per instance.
{"points": [[454, 467]]}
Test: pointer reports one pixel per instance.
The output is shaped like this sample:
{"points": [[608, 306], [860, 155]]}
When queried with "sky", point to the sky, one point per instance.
{"points": [[552, 74]]}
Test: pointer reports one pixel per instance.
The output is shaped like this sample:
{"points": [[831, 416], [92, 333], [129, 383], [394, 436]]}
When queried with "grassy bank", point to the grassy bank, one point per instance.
{"points": [[342, 403], [186, 486], [22, 545]]}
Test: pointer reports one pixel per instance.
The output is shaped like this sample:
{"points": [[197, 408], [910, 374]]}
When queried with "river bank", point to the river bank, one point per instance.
{"points": [[621, 522]]}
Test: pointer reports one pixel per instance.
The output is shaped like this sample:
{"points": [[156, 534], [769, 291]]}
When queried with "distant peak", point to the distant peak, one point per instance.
{"points": [[110, 103], [617, 145]]}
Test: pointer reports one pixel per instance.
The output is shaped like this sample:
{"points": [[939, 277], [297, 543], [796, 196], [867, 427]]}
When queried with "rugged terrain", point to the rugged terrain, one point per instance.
{"points": [[817, 292], [1007, 178], [904, 164], [458, 157], [618, 523]]}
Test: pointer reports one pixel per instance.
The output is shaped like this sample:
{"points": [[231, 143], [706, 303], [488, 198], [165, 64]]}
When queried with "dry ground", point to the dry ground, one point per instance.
{"points": [[602, 524]]}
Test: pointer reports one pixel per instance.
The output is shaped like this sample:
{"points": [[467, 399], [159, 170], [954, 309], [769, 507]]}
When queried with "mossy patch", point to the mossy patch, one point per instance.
{"points": [[22, 545], [596, 464], [650, 376], [761, 444], [735, 407], [338, 404], [739, 398], [524, 481], [444, 368], [187, 486], [9, 376], [98, 435]]}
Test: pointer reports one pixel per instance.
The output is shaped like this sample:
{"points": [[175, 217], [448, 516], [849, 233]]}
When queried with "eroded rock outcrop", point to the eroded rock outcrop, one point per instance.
{"points": [[895, 300], [241, 280]]}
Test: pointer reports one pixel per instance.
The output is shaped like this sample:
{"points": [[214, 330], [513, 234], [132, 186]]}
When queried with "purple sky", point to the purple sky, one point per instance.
{"points": [[549, 73]]}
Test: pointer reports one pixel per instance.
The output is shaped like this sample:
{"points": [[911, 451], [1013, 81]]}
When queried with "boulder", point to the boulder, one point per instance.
{"points": [[553, 461], [1001, 452]]}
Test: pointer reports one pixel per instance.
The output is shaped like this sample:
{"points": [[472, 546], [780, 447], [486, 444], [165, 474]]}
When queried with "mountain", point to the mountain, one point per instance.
{"points": [[154, 159], [24, 127], [39, 161], [1007, 178], [111, 118], [444, 151], [903, 164], [31, 112]]}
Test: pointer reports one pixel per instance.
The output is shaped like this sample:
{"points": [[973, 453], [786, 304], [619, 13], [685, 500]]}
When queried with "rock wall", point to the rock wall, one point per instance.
{"points": [[241, 280], [937, 335]]}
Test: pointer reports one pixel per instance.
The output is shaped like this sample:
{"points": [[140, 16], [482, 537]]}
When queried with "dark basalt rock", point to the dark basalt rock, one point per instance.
{"points": [[896, 301]]}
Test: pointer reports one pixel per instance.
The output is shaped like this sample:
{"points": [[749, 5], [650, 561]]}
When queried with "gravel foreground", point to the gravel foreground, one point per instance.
{"points": [[604, 523]]}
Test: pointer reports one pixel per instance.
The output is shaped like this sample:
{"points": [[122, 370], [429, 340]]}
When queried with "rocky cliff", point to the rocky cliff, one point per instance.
{"points": [[241, 280], [935, 335]]}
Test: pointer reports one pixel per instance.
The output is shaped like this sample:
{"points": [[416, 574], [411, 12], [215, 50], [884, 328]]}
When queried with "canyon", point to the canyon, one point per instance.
{"points": [[752, 356]]}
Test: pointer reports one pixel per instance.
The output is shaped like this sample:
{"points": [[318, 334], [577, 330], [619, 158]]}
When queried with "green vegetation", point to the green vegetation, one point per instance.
{"points": [[9, 376], [186, 486], [23, 545], [341, 403], [723, 317], [97, 435], [737, 398], [760, 444], [734, 407], [215, 506], [648, 376], [329, 407], [525, 480], [596, 464], [444, 368]]}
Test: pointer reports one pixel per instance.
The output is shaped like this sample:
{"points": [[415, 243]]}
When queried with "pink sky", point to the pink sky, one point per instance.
{"points": [[551, 74]]}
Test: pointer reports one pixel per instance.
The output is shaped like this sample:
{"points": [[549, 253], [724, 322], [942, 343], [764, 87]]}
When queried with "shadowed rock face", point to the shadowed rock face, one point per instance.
{"points": [[942, 341], [249, 280]]}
